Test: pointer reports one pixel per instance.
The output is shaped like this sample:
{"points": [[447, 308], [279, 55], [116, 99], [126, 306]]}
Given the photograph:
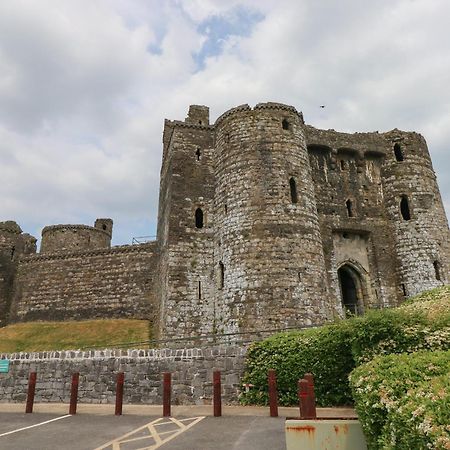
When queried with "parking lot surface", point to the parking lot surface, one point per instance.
{"points": [[42, 431], [94, 427]]}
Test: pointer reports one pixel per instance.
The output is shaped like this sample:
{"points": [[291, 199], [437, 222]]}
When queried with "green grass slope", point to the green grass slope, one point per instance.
{"points": [[46, 336]]}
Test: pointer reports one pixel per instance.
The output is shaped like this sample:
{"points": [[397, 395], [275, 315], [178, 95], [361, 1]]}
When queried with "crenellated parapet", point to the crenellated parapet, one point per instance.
{"points": [[66, 238], [264, 223]]}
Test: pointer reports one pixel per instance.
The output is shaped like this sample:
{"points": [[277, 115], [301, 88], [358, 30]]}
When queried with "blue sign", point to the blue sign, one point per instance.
{"points": [[4, 365]]}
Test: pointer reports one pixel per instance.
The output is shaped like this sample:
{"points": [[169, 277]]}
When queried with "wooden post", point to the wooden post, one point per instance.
{"points": [[31, 391], [74, 393], [309, 377], [273, 394], [217, 394], [167, 381], [119, 393]]}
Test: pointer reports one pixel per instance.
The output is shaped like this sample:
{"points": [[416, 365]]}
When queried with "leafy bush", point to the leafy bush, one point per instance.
{"points": [[422, 419], [331, 352], [403, 400], [323, 351], [397, 331], [433, 304]]}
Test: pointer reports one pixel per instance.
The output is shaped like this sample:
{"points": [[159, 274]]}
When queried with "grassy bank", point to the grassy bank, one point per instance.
{"points": [[42, 336]]}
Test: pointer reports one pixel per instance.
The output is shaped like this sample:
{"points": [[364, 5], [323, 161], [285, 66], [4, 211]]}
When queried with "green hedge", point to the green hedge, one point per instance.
{"points": [[323, 351], [331, 352], [397, 331], [403, 401]]}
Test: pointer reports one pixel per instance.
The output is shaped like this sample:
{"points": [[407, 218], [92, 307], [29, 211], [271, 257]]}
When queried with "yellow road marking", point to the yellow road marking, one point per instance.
{"points": [[153, 433]]}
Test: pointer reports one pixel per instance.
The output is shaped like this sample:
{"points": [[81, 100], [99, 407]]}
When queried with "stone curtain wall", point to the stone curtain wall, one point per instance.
{"points": [[192, 371], [103, 283]]}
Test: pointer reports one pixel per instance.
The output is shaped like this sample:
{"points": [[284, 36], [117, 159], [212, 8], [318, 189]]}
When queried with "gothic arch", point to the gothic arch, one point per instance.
{"points": [[352, 279]]}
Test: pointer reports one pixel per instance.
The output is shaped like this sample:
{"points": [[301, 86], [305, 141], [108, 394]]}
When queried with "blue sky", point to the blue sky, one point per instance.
{"points": [[85, 86]]}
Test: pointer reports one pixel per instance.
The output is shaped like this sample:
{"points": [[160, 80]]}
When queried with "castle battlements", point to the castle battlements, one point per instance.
{"points": [[264, 222]]}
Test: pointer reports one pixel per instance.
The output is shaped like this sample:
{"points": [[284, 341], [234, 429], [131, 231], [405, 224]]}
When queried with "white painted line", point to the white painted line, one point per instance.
{"points": [[153, 434], [35, 425], [197, 420]]}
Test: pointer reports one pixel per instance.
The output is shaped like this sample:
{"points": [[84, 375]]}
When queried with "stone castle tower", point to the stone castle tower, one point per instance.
{"points": [[264, 223]]}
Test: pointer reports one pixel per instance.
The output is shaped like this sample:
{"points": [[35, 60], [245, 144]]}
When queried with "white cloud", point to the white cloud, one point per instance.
{"points": [[85, 86]]}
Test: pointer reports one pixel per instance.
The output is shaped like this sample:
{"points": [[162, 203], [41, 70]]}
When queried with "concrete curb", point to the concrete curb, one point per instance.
{"points": [[177, 410]]}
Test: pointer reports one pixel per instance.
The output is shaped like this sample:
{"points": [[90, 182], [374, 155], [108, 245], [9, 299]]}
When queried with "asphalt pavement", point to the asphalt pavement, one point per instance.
{"points": [[95, 427]]}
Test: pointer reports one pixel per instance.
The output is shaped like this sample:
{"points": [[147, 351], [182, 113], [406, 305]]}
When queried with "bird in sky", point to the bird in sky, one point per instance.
{"points": [[322, 106]]}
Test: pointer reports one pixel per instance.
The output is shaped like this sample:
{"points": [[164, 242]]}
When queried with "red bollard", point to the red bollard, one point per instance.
{"points": [[31, 391], [119, 393], [74, 393], [309, 377], [217, 394], [307, 409], [166, 393], [273, 394]]}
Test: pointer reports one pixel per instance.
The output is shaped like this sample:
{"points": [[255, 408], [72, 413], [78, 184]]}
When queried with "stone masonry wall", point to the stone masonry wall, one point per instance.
{"points": [[348, 167], [399, 255], [186, 266], [104, 283], [73, 238], [300, 224], [267, 243], [13, 245], [191, 370]]}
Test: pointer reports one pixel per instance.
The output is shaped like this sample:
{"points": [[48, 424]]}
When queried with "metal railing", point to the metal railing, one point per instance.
{"points": [[243, 337], [142, 239]]}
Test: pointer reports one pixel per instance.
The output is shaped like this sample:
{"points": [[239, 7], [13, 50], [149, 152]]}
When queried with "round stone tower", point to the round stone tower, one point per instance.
{"points": [[69, 238], [269, 262], [416, 211]]}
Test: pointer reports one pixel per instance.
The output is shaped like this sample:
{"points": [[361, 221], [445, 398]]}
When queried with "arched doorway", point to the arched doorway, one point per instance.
{"points": [[351, 290]]}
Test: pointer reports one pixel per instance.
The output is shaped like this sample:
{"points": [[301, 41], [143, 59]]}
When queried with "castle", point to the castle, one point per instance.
{"points": [[264, 222]]}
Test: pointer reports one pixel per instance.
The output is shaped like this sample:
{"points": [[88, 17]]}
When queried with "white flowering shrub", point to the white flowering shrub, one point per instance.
{"points": [[403, 401]]}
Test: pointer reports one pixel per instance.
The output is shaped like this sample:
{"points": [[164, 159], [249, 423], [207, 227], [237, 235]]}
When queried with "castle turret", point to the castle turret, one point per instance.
{"points": [[416, 211], [185, 228], [269, 261], [67, 238], [13, 245]]}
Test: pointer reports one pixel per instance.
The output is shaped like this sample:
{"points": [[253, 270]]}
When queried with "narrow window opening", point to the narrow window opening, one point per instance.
{"points": [[200, 122], [104, 227], [13, 250], [345, 236], [437, 270], [398, 152], [349, 207], [221, 275], [343, 164], [198, 153], [198, 218], [293, 188], [199, 290], [225, 207], [404, 208], [285, 124], [404, 289]]}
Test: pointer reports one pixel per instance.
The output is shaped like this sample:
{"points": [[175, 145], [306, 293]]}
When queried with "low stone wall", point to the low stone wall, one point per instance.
{"points": [[191, 368]]}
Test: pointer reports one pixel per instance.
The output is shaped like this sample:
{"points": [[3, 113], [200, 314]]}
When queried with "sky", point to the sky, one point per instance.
{"points": [[85, 86]]}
